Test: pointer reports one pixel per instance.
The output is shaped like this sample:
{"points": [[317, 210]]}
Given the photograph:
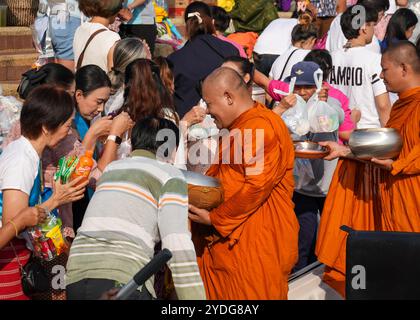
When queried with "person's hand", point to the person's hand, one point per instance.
{"points": [[195, 115], [125, 14], [199, 215], [121, 124], [385, 164], [355, 115], [101, 127], [110, 294], [285, 104], [323, 94], [336, 150], [70, 192], [31, 216]]}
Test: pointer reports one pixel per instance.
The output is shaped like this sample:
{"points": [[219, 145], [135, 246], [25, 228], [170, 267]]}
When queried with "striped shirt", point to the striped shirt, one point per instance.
{"points": [[138, 202]]}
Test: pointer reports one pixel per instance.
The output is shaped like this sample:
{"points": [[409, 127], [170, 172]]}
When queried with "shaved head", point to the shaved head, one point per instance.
{"points": [[226, 95], [404, 52], [225, 78]]}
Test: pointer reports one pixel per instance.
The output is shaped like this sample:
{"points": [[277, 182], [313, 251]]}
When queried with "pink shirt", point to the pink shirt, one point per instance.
{"points": [[347, 124], [241, 50]]}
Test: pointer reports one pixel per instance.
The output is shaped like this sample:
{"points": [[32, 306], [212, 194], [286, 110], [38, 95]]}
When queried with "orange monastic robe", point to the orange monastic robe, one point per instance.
{"points": [[365, 197], [258, 244], [400, 188]]}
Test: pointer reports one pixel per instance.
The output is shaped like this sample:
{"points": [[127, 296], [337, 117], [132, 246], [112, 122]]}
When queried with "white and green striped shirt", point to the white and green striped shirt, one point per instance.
{"points": [[138, 202]]}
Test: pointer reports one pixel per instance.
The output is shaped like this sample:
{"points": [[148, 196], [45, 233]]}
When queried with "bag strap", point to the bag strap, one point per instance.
{"points": [[80, 60], [22, 270], [287, 62]]}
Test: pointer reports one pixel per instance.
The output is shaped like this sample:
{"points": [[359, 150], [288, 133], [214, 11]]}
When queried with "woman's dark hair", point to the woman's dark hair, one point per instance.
{"points": [[322, 58], [244, 65], [304, 30], [51, 73], [221, 18], [46, 106], [145, 135], [145, 94], [402, 20], [353, 14], [199, 23], [101, 8], [90, 78], [379, 5]]}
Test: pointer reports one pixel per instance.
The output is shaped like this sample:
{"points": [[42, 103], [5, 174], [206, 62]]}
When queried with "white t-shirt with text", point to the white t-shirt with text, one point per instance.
{"points": [[356, 72]]}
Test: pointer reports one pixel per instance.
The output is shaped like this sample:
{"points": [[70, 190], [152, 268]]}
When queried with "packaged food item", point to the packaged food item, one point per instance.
{"points": [[84, 166], [47, 239]]}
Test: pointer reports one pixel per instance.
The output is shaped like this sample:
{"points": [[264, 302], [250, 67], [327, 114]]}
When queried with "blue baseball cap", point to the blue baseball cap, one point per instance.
{"points": [[304, 73]]}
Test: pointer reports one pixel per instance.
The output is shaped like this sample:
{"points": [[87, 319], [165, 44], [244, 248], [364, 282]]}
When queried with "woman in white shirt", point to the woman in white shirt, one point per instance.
{"points": [[100, 50], [304, 36], [43, 125]]}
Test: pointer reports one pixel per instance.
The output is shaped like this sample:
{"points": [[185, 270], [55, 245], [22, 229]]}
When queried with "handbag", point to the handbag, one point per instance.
{"points": [[33, 276]]}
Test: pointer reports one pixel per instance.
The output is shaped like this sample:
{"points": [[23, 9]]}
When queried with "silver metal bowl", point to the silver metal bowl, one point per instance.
{"points": [[380, 143], [198, 179], [309, 150]]}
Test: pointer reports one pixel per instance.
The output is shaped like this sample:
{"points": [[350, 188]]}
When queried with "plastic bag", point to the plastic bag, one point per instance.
{"points": [[296, 118], [302, 172], [322, 117], [204, 129]]}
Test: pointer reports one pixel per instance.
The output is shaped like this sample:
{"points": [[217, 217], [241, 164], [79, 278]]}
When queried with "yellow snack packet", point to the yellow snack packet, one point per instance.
{"points": [[57, 238]]}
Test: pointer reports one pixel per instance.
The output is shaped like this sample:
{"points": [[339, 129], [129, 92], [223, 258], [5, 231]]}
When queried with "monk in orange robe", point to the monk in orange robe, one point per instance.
{"points": [[256, 245], [365, 196]]}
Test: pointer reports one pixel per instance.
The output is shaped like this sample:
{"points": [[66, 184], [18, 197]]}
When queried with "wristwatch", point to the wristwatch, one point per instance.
{"points": [[114, 138]]}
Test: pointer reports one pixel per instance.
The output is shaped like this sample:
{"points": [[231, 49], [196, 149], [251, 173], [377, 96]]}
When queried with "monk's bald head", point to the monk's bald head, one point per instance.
{"points": [[227, 96], [400, 67], [225, 79], [404, 52]]}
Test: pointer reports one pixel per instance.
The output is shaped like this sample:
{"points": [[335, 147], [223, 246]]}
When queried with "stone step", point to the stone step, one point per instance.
{"points": [[10, 88], [12, 65], [12, 38]]}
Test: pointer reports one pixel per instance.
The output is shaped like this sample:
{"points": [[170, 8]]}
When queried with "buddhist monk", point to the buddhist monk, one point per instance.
{"points": [[256, 245], [383, 195]]}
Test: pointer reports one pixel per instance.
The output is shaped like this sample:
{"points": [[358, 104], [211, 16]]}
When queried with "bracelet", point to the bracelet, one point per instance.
{"points": [[14, 225]]}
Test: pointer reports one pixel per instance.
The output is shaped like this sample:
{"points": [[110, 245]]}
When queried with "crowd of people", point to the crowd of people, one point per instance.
{"points": [[108, 93]]}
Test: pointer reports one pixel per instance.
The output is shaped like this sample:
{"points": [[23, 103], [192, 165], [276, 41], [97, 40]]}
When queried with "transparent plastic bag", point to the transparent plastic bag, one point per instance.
{"points": [[204, 129], [322, 117], [296, 118], [302, 172]]}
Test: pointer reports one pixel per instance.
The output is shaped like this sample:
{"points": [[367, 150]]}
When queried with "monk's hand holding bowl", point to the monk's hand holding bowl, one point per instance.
{"points": [[199, 215], [336, 150], [385, 164]]}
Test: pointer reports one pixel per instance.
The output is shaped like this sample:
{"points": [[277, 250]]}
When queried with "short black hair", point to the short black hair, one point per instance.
{"points": [[91, 77], [350, 24], [145, 135], [46, 106], [50, 73], [322, 58], [379, 5], [221, 18]]}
